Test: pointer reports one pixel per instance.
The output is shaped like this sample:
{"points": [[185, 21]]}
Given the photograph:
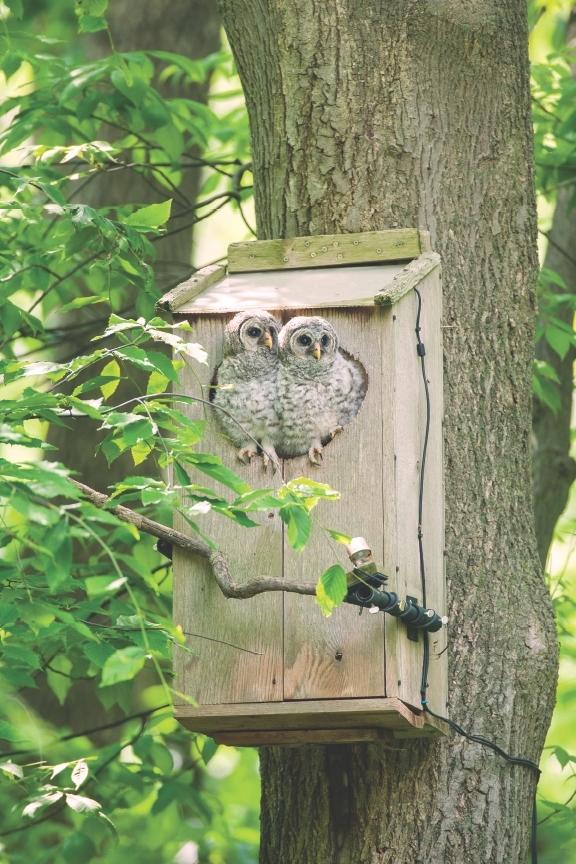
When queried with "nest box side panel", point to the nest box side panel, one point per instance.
{"points": [[403, 655], [341, 656], [235, 646], [433, 518]]}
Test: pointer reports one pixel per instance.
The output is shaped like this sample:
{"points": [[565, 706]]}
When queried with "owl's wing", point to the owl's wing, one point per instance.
{"points": [[224, 394], [352, 386]]}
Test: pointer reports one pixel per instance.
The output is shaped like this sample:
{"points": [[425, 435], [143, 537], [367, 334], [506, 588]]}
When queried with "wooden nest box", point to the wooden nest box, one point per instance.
{"points": [[271, 669]]}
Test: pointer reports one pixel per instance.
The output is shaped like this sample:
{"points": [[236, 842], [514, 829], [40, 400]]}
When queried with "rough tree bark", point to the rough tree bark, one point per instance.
{"points": [[368, 116], [554, 469]]}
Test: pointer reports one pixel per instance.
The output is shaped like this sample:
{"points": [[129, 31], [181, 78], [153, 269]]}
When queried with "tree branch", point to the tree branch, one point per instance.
{"points": [[217, 561]]}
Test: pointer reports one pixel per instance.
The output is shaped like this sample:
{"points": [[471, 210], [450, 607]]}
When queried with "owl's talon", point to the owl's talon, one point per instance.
{"points": [[246, 454], [269, 456], [315, 455], [335, 432]]}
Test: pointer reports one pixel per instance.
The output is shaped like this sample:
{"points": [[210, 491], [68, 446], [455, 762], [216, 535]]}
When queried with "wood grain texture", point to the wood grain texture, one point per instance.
{"points": [[404, 673], [295, 289], [407, 452], [301, 737], [309, 714], [408, 278], [196, 284], [324, 250], [353, 465], [298, 737], [238, 643], [433, 512]]}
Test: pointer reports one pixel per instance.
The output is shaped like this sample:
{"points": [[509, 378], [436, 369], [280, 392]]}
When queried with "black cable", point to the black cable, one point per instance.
{"points": [[477, 739], [421, 351]]}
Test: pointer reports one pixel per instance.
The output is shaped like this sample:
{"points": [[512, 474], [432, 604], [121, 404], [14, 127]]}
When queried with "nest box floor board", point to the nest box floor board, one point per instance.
{"points": [[336, 720]]}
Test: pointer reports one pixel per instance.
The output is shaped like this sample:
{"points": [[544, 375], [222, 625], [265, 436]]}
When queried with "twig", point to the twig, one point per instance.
{"points": [[557, 246], [86, 732], [219, 565]]}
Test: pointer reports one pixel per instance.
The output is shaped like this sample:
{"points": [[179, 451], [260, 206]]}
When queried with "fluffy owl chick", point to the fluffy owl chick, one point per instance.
{"points": [[245, 384], [320, 388]]}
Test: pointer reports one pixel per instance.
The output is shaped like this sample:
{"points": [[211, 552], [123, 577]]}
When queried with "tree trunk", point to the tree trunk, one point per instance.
{"points": [[554, 469], [368, 116]]}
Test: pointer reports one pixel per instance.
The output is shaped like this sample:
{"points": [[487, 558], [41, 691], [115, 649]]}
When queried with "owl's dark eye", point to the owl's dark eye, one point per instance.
{"points": [[254, 332], [305, 340], [325, 341]]}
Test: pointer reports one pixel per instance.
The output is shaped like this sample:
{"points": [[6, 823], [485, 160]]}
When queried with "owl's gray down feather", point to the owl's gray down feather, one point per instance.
{"points": [[245, 382], [319, 390]]}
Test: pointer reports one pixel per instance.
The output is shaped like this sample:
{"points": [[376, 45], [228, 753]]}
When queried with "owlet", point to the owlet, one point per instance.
{"points": [[244, 387], [320, 388]]}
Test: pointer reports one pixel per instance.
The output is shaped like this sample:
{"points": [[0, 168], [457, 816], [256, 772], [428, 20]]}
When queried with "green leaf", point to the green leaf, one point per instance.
{"points": [[213, 467], [112, 370], [548, 276], [79, 773], [11, 769], [208, 750], [81, 804], [560, 337], [91, 24], [140, 452], [37, 804], [157, 383], [58, 677], [331, 589], [91, 7], [339, 537], [563, 756], [97, 585], [299, 525], [81, 302], [123, 665], [545, 370], [152, 216]]}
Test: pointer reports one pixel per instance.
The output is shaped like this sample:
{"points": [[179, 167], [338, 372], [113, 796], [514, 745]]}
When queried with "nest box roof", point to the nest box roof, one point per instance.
{"points": [[308, 272]]}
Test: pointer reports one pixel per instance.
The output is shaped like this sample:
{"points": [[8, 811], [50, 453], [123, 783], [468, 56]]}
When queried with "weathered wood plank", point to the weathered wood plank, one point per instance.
{"points": [[408, 278], [324, 250], [410, 422], [299, 737], [407, 450], [433, 517], [308, 714], [237, 644], [196, 284], [341, 656], [288, 289], [295, 723]]}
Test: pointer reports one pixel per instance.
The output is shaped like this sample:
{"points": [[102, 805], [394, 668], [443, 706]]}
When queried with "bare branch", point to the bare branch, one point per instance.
{"points": [[148, 526], [219, 565]]}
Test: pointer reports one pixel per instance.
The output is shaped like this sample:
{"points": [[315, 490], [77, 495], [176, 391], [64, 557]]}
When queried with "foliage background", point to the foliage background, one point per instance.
{"points": [[85, 620]]}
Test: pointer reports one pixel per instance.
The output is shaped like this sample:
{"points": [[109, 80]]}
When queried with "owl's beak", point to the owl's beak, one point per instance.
{"points": [[266, 340], [316, 351]]}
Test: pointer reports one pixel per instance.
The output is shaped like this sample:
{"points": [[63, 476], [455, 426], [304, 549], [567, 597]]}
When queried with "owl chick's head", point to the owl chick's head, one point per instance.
{"points": [[309, 340], [252, 330]]}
